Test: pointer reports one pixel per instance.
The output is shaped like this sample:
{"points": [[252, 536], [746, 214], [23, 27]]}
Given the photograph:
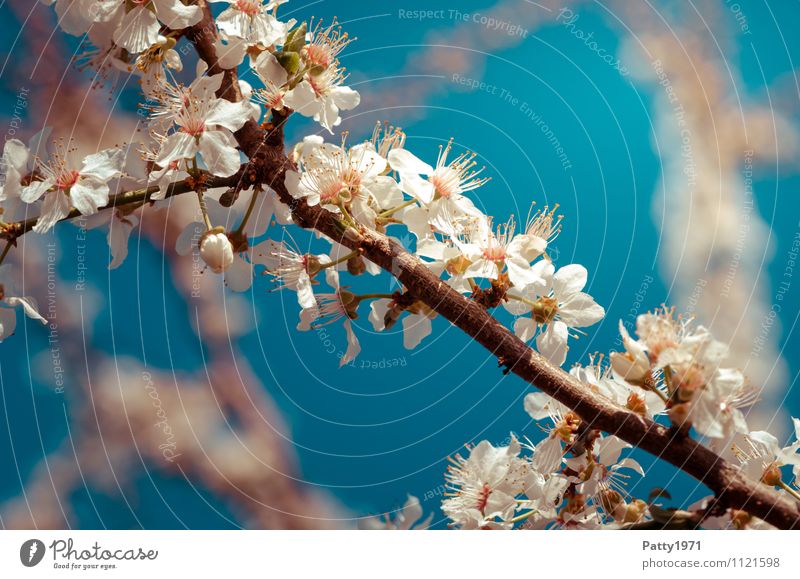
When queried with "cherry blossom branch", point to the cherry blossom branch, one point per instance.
{"points": [[268, 163], [13, 231]]}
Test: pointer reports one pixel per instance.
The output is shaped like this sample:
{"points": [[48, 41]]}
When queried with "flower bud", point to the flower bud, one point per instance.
{"points": [[216, 250], [356, 265], [679, 415]]}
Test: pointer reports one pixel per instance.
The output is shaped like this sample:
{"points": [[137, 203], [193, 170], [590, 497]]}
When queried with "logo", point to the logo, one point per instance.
{"points": [[32, 552]]}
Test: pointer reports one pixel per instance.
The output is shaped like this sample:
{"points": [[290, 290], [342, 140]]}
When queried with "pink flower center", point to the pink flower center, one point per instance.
{"points": [[496, 253], [67, 179], [483, 497], [249, 7], [331, 190], [194, 127], [318, 55]]}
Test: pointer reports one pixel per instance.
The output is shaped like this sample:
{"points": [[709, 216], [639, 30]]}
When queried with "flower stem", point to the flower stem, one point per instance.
{"points": [[389, 212], [340, 260], [202, 201], [374, 296], [789, 490], [249, 211], [522, 517]]}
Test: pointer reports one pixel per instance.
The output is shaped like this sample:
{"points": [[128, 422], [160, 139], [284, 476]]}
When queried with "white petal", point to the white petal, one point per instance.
{"points": [[404, 161], [378, 309], [218, 149], [569, 279], [138, 30], [8, 322], [415, 329], [88, 196], [345, 98], [353, 347], [104, 165], [580, 310], [524, 328], [239, 276], [552, 344]]}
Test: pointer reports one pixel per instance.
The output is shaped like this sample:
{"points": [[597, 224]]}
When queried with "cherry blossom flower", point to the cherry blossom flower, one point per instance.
{"points": [[633, 365], [351, 179], [549, 453], [416, 323], [492, 252], [764, 456], [9, 301], [291, 269], [484, 486], [442, 189], [559, 305], [205, 125], [63, 186], [139, 21], [331, 307], [252, 21], [323, 96]]}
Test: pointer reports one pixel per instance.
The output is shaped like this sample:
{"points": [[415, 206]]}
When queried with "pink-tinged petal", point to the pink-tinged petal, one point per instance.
{"points": [[219, 152], [104, 165], [177, 15], [234, 22], [178, 145], [569, 279], [88, 196], [138, 30], [415, 329], [307, 317], [547, 456], [405, 162], [524, 329], [35, 190], [552, 344], [56, 206]]}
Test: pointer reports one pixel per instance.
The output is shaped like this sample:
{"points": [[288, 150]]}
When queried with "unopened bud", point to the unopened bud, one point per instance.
{"points": [[216, 250]]}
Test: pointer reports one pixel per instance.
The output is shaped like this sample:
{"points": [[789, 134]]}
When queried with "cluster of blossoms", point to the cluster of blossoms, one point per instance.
{"points": [[574, 477]]}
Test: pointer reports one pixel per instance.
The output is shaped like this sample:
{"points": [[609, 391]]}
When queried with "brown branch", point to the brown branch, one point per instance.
{"points": [[268, 164]]}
